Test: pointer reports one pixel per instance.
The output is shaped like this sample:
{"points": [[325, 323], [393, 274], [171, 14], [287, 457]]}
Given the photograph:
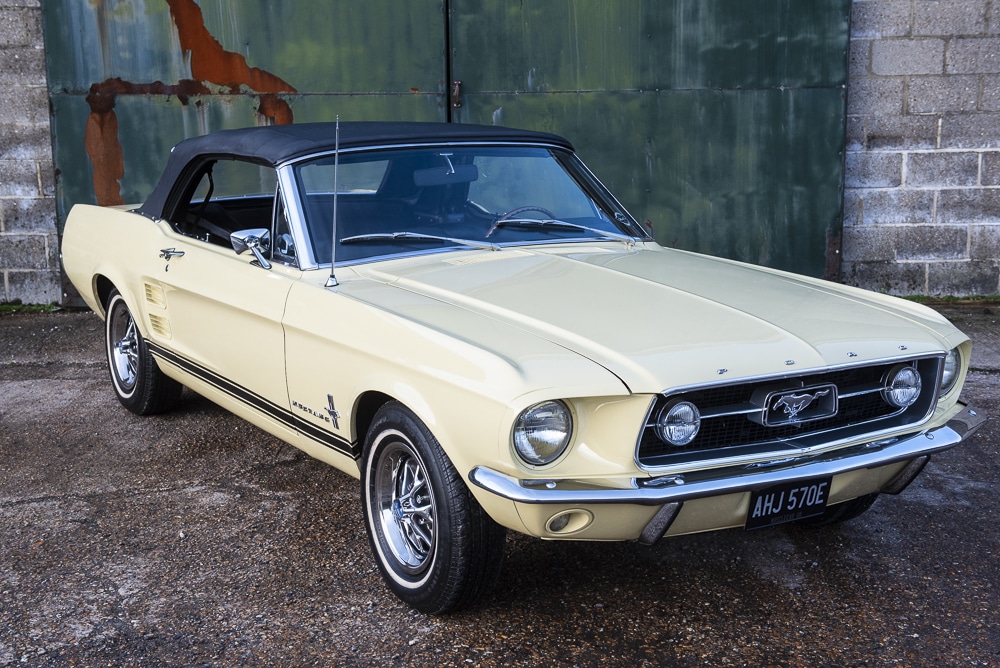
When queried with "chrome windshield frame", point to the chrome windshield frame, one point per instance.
{"points": [[297, 219]]}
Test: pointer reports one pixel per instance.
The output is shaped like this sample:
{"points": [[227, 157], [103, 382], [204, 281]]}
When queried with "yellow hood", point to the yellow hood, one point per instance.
{"points": [[658, 318]]}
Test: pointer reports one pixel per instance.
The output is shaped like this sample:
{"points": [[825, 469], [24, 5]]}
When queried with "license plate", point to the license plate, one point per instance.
{"points": [[787, 502]]}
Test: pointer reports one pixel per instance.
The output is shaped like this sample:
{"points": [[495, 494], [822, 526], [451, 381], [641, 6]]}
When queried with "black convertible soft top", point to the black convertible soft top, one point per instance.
{"points": [[276, 144]]}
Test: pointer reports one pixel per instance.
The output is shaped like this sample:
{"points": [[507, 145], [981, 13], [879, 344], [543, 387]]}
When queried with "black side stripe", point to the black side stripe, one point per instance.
{"points": [[258, 403]]}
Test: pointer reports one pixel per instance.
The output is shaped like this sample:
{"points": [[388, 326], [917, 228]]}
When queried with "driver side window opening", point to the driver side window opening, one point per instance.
{"points": [[227, 196]]}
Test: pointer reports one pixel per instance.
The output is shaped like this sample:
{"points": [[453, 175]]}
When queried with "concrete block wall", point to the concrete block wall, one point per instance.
{"points": [[29, 248], [922, 185]]}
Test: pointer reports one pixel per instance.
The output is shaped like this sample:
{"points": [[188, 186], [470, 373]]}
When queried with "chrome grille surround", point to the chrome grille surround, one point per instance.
{"points": [[737, 428]]}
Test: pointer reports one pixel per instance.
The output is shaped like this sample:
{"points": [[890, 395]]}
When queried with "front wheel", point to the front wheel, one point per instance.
{"points": [[436, 547], [842, 512], [139, 384]]}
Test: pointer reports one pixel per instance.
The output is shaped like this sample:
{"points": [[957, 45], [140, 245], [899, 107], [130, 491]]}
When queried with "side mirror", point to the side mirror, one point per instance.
{"points": [[257, 241]]}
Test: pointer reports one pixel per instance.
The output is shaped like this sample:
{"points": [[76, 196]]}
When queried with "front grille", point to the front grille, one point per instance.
{"points": [[733, 420]]}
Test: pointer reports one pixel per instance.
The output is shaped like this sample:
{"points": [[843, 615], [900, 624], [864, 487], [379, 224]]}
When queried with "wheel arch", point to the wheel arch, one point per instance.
{"points": [[449, 427], [365, 408], [102, 290], [103, 285]]}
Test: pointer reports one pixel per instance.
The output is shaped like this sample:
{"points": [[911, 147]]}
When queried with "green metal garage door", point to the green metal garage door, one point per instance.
{"points": [[720, 122]]}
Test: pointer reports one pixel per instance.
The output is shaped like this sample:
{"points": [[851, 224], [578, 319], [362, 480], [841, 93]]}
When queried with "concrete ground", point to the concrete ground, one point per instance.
{"points": [[195, 539]]}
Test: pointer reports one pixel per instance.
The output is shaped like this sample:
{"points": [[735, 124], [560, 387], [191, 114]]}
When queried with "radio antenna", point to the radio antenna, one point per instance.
{"points": [[332, 281]]}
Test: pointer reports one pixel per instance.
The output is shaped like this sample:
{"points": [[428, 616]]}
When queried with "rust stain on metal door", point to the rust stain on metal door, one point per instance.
{"points": [[211, 66], [211, 63]]}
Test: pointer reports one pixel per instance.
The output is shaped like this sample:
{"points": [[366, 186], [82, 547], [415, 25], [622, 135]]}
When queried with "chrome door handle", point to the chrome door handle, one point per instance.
{"points": [[168, 253]]}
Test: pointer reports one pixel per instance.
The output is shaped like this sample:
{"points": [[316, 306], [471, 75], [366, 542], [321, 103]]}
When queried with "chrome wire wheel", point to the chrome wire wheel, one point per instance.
{"points": [[123, 347], [403, 501], [138, 382], [435, 546]]}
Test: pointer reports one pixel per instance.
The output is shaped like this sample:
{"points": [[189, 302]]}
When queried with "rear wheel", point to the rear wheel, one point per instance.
{"points": [[139, 384], [436, 547]]}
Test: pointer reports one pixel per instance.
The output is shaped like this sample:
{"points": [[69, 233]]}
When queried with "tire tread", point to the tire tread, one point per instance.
{"points": [[471, 556]]}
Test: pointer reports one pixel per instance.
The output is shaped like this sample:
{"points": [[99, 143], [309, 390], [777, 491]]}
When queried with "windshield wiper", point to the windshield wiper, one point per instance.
{"points": [[552, 222], [390, 236]]}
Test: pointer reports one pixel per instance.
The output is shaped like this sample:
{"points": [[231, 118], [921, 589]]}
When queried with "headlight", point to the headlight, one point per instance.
{"points": [[952, 364], [902, 386], [542, 432], [678, 423]]}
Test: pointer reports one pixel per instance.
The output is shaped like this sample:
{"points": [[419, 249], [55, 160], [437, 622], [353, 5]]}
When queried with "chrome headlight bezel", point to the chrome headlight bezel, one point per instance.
{"points": [[678, 423], [542, 432], [902, 386], [950, 371]]}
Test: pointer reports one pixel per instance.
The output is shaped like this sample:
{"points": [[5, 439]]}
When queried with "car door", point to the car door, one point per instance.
{"points": [[224, 309]]}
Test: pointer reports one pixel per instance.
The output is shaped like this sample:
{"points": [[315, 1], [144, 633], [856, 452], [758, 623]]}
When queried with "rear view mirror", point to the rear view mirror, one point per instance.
{"points": [[445, 176]]}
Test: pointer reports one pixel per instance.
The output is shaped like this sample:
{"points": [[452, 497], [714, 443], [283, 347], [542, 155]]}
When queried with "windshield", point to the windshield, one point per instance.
{"points": [[405, 201]]}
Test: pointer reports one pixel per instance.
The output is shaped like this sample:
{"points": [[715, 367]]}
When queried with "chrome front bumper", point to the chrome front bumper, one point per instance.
{"points": [[658, 491]]}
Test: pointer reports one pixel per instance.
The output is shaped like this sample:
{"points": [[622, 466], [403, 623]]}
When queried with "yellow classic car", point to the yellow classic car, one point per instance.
{"points": [[466, 319]]}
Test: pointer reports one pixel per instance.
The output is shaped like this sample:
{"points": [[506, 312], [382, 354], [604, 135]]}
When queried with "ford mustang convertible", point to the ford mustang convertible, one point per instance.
{"points": [[466, 320]]}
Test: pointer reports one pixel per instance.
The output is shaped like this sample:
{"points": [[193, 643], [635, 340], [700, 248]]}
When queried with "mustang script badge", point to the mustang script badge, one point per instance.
{"points": [[800, 405]]}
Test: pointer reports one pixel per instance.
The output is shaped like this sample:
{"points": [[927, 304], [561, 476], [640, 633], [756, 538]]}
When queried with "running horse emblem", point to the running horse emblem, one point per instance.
{"points": [[793, 404]]}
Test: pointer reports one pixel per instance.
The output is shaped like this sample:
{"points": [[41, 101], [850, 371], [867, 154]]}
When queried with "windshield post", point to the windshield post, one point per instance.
{"points": [[332, 281]]}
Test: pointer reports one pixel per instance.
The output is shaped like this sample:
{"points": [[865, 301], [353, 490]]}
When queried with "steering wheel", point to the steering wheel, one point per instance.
{"points": [[522, 209]]}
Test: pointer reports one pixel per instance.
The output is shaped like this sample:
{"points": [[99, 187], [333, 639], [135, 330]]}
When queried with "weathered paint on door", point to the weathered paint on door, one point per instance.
{"points": [[720, 122]]}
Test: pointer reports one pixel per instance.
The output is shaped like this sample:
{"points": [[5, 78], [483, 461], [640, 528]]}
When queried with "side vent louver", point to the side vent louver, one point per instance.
{"points": [[160, 325], [154, 295]]}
